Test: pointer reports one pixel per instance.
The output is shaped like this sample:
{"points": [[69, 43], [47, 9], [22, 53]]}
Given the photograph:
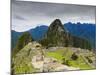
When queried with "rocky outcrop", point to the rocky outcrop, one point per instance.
{"points": [[56, 35]]}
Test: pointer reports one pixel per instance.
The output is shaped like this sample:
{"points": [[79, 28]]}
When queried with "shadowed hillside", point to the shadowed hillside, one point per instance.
{"points": [[24, 39]]}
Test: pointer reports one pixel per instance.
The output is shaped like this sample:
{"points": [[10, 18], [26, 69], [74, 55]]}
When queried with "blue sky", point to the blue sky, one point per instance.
{"points": [[27, 15]]}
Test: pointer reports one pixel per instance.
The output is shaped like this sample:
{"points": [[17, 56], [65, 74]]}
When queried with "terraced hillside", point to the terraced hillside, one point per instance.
{"points": [[35, 58], [76, 57]]}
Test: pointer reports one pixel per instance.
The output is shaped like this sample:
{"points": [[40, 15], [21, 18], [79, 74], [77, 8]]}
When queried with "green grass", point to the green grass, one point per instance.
{"points": [[55, 55], [80, 63], [22, 61], [24, 68], [67, 53], [58, 54]]}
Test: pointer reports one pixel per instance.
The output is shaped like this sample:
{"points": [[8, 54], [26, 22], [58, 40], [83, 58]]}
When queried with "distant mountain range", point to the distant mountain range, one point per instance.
{"points": [[85, 31]]}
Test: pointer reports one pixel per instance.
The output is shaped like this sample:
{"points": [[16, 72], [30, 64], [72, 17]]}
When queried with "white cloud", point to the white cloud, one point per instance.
{"points": [[27, 15]]}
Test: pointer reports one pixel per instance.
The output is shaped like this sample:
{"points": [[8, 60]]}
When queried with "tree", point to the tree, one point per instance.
{"points": [[23, 40], [74, 56]]}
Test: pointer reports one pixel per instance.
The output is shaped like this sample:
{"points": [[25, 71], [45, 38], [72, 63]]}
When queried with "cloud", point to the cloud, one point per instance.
{"points": [[28, 15], [19, 17]]}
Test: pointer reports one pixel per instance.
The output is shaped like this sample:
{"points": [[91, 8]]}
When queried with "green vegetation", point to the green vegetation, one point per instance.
{"points": [[21, 62], [70, 58], [69, 50], [55, 55], [24, 68], [22, 41], [74, 56], [81, 43], [57, 36]]}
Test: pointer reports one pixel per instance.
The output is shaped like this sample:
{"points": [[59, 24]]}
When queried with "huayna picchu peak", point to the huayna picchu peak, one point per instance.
{"points": [[58, 36], [57, 26]]}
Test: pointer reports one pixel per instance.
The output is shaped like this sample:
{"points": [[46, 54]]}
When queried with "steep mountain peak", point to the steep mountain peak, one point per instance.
{"points": [[56, 34], [57, 20], [57, 26], [56, 23]]}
